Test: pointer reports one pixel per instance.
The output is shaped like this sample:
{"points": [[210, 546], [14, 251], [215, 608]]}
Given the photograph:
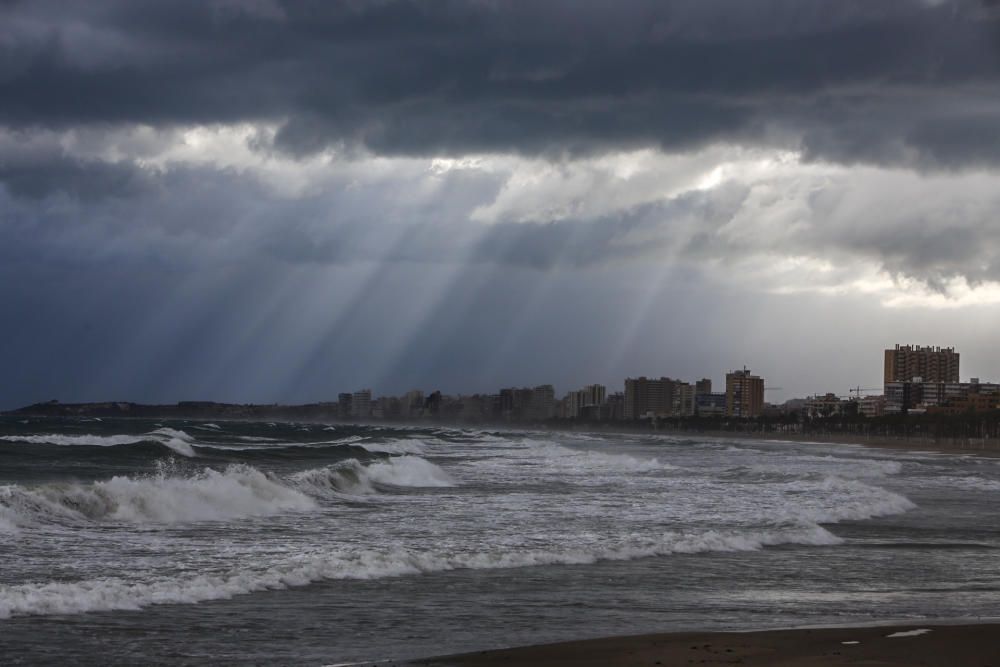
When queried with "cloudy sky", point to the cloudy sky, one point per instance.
{"points": [[251, 200]]}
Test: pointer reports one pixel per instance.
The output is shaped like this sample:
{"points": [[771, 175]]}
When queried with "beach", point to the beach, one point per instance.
{"points": [[976, 645]]}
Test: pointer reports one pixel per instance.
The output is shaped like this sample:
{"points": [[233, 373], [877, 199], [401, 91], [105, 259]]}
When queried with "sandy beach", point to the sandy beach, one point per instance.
{"points": [[926, 645]]}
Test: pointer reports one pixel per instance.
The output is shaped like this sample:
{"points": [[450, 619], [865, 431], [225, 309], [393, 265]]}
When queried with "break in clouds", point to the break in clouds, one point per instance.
{"points": [[780, 149]]}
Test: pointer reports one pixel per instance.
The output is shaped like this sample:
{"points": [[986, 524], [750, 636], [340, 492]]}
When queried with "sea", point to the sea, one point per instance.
{"points": [[192, 542]]}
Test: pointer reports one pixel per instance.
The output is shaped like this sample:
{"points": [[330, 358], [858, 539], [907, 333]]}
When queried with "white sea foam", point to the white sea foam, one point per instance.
{"points": [[395, 446], [909, 633], [71, 440], [239, 491], [353, 478], [408, 471], [834, 499], [179, 441], [585, 461], [7, 522], [113, 593], [970, 482]]}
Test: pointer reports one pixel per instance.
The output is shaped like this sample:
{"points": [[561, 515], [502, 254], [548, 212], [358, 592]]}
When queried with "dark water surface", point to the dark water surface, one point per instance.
{"points": [[135, 541]]}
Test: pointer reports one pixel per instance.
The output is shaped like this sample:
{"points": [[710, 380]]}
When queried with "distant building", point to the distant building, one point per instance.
{"points": [[703, 386], [361, 404], [971, 402], [613, 408], [744, 394], [542, 404], [682, 402], [828, 405], [344, 402], [576, 402], [646, 397], [386, 407], [932, 364], [872, 406], [528, 404], [411, 405], [918, 394], [710, 405]]}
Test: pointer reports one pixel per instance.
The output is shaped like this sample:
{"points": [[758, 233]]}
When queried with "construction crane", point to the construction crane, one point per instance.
{"points": [[857, 390]]}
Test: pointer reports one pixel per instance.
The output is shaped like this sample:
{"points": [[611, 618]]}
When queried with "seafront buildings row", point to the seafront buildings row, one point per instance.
{"points": [[916, 380], [642, 398]]}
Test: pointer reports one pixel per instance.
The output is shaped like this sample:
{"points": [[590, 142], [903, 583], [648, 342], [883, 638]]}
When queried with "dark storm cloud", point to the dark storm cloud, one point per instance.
{"points": [[36, 176], [892, 81]]}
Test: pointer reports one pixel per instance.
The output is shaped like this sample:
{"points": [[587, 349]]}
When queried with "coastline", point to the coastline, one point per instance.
{"points": [[941, 645], [966, 447]]}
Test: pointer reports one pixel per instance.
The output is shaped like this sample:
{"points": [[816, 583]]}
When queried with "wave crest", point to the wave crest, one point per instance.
{"points": [[108, 594]]}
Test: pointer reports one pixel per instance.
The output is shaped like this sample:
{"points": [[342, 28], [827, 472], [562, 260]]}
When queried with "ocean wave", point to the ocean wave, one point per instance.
{"points": [[968, 482], [395, 446], [111, 593], [238, 491], [354, 478], [179, 441], [829, 465], [834, 499], [585, 461]]}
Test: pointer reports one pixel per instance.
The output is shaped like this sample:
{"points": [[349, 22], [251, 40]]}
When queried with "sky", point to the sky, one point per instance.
{"points": [[260, 201]]}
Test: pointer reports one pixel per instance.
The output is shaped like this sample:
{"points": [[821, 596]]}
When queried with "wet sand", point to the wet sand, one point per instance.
{"points": [[944, 646]]}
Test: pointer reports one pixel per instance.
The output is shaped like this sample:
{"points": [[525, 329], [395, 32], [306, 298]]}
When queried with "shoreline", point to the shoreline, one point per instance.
{"points": [[941, 644], [968, 447]]}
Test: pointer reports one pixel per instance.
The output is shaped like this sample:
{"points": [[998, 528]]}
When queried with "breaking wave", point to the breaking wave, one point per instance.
{"points": [[106, 594], [834, 499], [238, 491], [353, 478], [178, 441], [586, 461]]}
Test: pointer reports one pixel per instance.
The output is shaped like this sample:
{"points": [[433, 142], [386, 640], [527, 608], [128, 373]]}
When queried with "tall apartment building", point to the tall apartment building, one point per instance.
{"points": [[361, 404], [536, 404], [344, 408], [542, 404], [683, 399], [411, 406], [703, 386], [744, 394], [931, 364], [590, 396], [648, 396]]}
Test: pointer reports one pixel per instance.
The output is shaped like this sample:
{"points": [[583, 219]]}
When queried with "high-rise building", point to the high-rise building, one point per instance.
{"points": [[645, 396], [744, 394], [682, 403], [931, 364], [542, 404], [361, 404], [344, 406], [576, 401], [703, 386]]}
